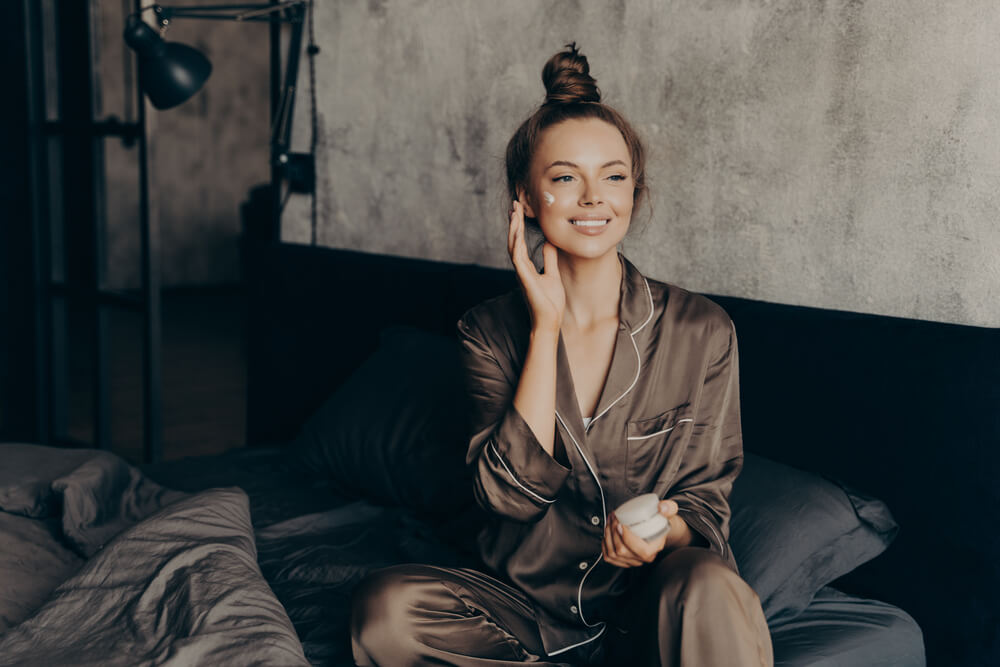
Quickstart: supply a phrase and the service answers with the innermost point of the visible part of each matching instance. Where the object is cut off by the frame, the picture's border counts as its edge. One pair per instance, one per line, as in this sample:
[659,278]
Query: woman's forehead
[586,142]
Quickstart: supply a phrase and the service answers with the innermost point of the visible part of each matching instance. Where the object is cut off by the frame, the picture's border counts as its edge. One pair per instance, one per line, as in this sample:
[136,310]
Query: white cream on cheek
[549,199]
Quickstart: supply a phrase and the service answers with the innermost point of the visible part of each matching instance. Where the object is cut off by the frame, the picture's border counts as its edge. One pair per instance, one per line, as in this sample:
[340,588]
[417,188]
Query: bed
[353,463]
[250,558]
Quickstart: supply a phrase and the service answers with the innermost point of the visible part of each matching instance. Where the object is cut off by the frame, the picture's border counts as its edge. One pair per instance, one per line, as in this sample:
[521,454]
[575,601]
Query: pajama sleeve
[715,453]
[513,476]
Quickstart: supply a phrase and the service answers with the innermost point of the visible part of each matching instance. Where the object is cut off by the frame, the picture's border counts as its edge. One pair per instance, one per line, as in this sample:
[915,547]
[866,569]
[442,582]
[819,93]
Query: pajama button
[573,609]
[583,565]
[596,520]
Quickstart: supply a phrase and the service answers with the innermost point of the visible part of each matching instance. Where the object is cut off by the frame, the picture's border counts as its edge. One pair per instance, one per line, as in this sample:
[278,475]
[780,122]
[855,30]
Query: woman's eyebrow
[564,163]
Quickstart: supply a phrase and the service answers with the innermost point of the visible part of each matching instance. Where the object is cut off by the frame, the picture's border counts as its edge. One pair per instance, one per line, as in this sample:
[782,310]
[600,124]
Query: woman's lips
[590,227]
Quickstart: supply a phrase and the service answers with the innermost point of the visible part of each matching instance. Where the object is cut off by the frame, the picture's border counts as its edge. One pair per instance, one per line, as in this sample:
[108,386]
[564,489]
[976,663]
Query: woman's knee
[700,594]
[385,606]
[697,571]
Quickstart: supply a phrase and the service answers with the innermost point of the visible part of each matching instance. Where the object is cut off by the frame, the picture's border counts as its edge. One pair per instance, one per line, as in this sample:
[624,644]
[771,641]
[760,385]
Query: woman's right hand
[544,291]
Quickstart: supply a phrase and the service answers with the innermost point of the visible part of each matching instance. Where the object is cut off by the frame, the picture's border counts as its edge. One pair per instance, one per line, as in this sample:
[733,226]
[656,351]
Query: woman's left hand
[623,548]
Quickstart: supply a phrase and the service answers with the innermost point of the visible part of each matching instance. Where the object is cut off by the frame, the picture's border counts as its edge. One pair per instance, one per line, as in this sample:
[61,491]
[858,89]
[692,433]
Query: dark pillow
[793,532]
[396,431]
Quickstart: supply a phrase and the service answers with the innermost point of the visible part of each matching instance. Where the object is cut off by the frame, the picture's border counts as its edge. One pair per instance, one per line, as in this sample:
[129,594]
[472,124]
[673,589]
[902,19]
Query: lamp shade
[170,72]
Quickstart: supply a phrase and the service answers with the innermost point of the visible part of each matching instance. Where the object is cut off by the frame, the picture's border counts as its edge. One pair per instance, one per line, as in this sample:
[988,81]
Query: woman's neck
[593,289]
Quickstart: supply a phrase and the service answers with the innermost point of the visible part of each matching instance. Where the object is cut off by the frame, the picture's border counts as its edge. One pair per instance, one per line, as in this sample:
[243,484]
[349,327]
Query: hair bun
[567,78]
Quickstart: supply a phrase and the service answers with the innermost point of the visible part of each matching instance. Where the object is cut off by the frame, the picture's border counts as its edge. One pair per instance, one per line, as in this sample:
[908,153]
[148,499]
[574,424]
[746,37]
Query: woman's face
[580,187]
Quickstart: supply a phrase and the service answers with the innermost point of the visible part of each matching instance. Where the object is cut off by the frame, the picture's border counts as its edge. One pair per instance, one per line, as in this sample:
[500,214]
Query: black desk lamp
[170,73]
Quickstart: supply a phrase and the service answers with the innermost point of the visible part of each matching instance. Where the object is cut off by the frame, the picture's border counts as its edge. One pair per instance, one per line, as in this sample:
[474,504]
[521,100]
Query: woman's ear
[522,197]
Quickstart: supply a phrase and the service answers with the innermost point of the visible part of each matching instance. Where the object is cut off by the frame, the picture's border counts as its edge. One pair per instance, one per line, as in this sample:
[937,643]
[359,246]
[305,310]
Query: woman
[591,384]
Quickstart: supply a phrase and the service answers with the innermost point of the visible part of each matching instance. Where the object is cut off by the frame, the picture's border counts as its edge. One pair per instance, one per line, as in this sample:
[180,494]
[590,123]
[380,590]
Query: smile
[590,223]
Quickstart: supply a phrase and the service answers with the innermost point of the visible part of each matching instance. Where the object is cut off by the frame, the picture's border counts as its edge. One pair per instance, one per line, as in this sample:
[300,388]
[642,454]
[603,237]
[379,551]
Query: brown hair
[570,92]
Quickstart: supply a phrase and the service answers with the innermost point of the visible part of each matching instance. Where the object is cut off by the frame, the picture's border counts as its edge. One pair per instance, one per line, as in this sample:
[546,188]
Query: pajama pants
[690,610]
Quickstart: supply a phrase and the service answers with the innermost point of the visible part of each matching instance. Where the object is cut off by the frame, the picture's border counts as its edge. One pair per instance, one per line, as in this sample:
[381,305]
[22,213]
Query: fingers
[638,547]
[550,259]
[668,508]
[607,547]
[510,235]
[521,246]
[614,547]
[512,229]
[516,246]
[623,548]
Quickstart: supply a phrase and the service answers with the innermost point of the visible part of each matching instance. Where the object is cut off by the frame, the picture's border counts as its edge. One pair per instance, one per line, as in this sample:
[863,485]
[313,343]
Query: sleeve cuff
[522,458]
[703,526]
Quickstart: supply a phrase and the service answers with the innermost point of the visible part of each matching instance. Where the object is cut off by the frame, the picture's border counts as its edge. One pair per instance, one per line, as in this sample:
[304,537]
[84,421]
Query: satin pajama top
[667,421]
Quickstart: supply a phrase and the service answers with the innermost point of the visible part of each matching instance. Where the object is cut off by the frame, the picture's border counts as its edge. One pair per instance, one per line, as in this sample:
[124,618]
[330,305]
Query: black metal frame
[79,133]
[31,261]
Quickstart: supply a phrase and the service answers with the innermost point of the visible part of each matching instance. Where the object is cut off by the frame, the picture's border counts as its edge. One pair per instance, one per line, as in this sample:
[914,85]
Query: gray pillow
[95,494]
[793,532]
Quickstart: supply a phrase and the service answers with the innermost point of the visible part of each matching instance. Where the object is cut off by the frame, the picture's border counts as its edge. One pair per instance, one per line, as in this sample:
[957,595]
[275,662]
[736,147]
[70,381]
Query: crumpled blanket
[142,575]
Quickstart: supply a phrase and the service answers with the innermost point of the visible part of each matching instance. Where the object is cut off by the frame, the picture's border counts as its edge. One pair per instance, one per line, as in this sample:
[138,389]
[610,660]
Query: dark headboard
[906,410]
[315,315]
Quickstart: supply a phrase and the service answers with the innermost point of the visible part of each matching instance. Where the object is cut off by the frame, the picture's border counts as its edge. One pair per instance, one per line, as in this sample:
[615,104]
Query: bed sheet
[840,630]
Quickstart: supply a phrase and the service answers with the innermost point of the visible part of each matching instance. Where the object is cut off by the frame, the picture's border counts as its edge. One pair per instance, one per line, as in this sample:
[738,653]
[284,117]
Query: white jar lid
[652,528]
[638,509]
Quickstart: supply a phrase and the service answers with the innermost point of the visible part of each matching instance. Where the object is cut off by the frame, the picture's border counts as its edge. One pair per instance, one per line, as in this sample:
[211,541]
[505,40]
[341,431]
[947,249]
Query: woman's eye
[617,177]
[562,179]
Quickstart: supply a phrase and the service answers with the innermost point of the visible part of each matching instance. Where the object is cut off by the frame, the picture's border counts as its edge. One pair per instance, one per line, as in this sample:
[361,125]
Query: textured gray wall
[840,154]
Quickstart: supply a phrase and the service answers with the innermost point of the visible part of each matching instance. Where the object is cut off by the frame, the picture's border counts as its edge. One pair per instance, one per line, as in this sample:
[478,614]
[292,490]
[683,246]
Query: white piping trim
[638,359]
[579,592]
[666,430]
[649,293]
[604,627]
[638,367]
[526,489]
[711,526]
[604,509]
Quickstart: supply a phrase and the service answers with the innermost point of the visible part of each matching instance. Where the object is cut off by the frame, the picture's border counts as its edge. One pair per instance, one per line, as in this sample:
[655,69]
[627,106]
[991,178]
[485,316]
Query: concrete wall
[835,153]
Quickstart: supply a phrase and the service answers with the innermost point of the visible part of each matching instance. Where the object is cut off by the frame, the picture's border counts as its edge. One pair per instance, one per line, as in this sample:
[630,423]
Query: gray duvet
[101,566]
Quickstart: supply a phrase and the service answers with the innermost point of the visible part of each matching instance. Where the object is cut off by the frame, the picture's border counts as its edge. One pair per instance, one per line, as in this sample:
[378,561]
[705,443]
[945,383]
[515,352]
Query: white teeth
[589,223]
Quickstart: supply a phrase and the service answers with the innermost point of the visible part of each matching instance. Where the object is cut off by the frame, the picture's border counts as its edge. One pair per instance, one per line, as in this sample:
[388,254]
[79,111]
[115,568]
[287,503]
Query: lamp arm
[233,12]
[281,132]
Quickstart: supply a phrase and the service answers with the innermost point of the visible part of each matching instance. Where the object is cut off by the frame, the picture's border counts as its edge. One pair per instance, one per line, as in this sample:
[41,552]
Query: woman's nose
[590,196]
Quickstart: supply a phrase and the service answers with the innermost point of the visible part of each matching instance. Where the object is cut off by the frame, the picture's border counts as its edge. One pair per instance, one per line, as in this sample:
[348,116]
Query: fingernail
[620,532]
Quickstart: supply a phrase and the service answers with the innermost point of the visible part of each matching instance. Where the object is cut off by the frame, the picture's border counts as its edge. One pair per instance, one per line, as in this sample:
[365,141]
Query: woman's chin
[593,247]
